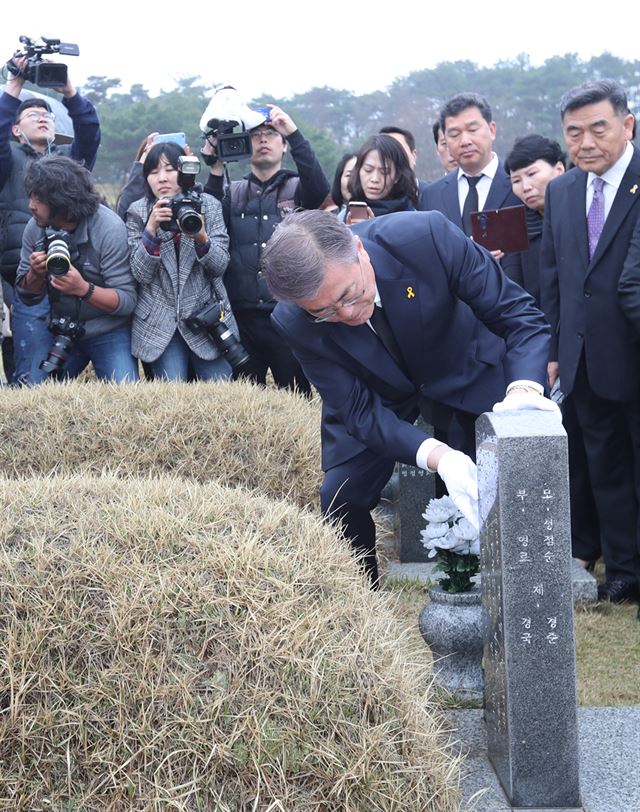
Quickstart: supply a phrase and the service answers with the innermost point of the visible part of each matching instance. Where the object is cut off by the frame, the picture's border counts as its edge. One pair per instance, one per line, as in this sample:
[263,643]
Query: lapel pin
[634,189]
[410,293]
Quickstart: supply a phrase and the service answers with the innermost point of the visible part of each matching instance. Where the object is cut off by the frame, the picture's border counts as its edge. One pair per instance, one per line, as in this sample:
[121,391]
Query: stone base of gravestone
[529,656]
[415,487]
[451,624]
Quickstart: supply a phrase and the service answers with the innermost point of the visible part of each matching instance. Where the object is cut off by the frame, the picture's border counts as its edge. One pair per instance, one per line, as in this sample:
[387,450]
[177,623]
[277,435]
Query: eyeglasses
[35,115]
[268,131]
[328,313]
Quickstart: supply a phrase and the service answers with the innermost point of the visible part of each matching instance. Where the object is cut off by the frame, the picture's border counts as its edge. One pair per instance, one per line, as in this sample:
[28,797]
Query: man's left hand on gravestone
[459,474]
[519,399]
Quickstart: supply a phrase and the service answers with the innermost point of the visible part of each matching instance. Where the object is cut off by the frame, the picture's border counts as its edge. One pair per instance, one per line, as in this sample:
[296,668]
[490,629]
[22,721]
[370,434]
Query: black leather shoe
[618,591]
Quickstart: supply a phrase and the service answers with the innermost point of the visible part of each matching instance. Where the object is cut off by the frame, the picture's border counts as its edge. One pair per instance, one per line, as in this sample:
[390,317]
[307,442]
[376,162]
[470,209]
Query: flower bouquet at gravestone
[455,541]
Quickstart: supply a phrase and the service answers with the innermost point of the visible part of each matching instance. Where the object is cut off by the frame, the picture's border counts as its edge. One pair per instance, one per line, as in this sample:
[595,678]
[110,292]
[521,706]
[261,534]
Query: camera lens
[189,221]
[58,258]
[233,351]
[58,354]
[209,319]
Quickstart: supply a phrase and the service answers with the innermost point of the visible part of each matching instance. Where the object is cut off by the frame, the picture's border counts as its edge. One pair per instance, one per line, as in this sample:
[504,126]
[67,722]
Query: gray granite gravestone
[415,488]
[529,652]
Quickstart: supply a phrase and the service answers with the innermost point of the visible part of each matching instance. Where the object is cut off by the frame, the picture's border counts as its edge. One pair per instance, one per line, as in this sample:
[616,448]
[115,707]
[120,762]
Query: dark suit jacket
[423,185]
[580,297]
[524,266]
[629,285]
[464,329]
[442,195]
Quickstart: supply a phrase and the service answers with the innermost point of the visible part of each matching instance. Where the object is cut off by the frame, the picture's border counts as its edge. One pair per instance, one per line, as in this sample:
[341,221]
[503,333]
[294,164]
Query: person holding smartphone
[382,180]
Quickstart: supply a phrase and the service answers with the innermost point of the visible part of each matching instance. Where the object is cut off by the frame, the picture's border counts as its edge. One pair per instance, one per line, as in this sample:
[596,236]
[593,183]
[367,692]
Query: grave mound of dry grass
[237,433]
[167,645]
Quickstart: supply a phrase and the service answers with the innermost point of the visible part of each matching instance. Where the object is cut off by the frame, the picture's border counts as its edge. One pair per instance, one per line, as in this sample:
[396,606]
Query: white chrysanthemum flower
[429,544]
[464,530]
[466,547]
[441,510]
[435,530]
[448,542]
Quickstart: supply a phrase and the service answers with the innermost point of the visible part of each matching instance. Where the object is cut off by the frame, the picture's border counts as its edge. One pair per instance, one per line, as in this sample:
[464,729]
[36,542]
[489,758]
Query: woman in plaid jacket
[177,275]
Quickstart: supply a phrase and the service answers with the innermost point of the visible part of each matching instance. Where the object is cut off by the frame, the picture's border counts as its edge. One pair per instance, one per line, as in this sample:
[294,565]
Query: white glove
[519,400]
[459,474]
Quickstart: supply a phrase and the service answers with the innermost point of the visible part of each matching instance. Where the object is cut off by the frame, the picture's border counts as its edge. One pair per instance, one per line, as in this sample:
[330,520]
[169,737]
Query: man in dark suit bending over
[402,316]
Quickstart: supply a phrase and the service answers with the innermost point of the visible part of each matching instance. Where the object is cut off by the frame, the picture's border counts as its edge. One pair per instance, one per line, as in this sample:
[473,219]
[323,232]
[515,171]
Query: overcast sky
[288,47]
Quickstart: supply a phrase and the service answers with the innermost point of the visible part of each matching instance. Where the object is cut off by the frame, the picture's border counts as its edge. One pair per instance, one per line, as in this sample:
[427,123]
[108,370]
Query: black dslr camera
[211,320]
[37,71]
[186,206]
[231,145]
[66,331]
[59,252]
[60,256]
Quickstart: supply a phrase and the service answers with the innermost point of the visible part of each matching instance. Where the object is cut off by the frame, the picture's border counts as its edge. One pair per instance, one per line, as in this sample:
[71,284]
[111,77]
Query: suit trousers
[611,432]
[585,524]
[348,494]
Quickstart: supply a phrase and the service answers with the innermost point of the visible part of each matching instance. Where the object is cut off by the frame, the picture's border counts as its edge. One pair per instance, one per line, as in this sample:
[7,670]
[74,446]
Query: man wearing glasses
[405,316]
[31,124]
[252,208]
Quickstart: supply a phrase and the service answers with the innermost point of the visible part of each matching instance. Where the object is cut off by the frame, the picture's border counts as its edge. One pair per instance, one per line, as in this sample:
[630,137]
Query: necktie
[595,216]
[383,330]
[470,203]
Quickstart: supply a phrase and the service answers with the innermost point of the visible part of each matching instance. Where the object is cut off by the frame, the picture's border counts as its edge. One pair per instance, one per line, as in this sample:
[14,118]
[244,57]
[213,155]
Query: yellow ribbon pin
[634,189]
[410,293]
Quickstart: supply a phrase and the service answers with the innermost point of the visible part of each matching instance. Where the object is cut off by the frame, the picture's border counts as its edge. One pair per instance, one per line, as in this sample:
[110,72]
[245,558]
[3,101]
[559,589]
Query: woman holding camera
[178,256]
[382,178]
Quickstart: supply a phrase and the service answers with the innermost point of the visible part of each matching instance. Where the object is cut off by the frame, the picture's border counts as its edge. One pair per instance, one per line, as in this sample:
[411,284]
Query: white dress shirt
[612,178]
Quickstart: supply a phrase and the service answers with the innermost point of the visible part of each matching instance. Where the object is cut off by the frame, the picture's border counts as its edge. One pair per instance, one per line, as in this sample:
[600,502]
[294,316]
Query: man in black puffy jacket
[252,208]
[27,132]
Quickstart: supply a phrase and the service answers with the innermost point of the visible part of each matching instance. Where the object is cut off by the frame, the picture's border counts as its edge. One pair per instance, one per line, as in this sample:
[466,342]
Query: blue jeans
[173,364]
[31,338]
[110,354]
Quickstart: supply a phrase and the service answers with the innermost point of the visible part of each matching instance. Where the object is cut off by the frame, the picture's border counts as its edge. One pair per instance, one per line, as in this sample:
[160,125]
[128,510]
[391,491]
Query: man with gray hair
[402,315]
[589,216]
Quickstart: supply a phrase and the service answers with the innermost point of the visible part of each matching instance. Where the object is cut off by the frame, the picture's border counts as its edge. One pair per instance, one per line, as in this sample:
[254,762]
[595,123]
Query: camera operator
[32,125]
[178,264]
[252,209]
[97,291]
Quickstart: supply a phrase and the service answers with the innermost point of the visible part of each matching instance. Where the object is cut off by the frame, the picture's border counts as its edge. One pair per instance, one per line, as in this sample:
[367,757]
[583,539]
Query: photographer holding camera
[178,254]
[74,251]
[252,209]
[32,125]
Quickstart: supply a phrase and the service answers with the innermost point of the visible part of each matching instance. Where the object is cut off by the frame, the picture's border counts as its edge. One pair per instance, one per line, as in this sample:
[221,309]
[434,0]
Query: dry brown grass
[607,654]
[166,645]
[264,439]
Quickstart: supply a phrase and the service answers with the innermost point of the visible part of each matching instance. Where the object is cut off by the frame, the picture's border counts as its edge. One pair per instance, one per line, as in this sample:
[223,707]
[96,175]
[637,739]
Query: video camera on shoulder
[231,144]
[37,71]
[229,120]
[60,254]
[186,207]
